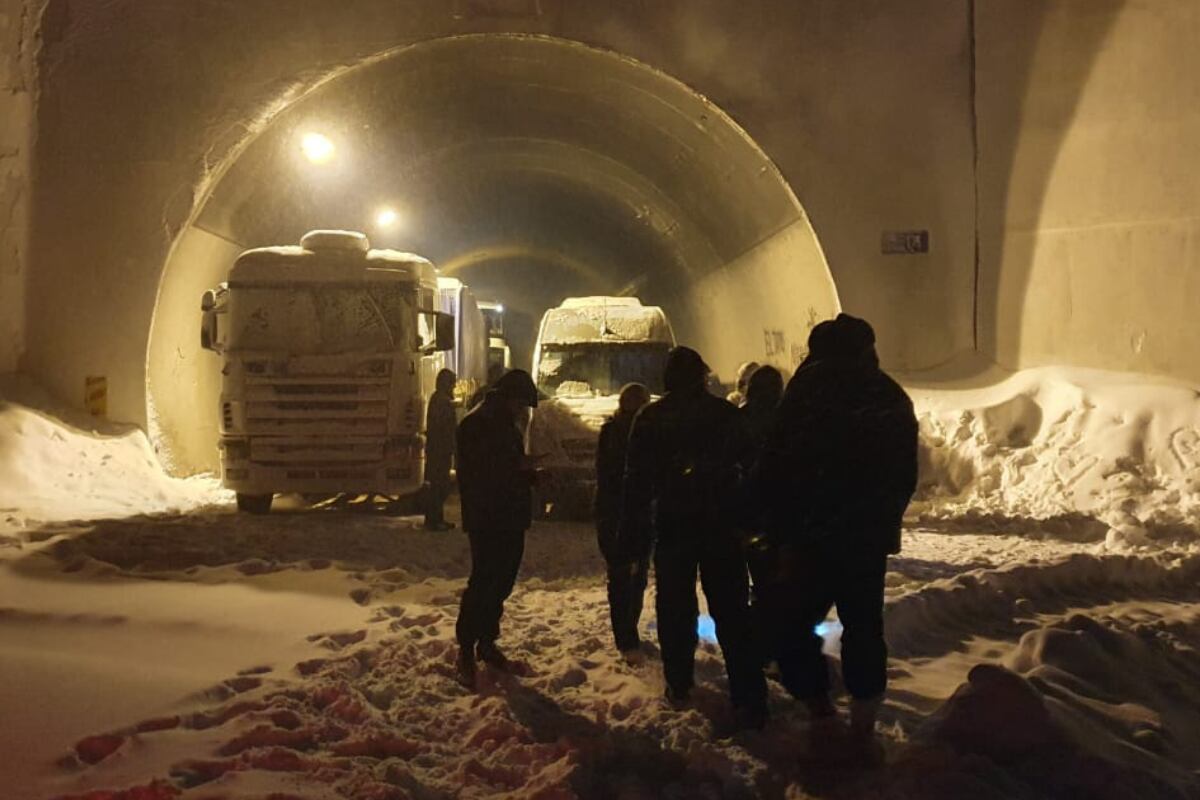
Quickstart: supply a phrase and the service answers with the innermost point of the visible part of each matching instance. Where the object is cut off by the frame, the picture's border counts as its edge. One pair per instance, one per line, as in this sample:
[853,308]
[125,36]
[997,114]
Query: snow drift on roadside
[61,465]
[1089,454]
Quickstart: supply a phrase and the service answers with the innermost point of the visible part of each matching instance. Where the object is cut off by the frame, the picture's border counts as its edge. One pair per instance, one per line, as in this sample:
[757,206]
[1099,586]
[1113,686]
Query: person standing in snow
[763,393]
[440,425]
[764,390]
[626,583]
[495,478]
[686,454]
[836,477]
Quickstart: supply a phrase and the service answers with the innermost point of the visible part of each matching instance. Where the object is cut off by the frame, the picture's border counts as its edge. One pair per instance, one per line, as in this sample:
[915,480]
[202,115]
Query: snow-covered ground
[1044,623]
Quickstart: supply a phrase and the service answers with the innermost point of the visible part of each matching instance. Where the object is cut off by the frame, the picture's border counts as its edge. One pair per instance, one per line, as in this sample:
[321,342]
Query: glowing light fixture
[386,217]
[317,147]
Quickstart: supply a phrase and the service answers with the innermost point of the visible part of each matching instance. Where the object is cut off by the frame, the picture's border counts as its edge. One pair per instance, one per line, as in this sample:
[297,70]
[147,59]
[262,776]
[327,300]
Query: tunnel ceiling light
[386,218]
[317,147]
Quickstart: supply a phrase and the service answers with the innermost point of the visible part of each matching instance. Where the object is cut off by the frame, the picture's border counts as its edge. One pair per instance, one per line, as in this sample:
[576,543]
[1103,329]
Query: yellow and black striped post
[95,395]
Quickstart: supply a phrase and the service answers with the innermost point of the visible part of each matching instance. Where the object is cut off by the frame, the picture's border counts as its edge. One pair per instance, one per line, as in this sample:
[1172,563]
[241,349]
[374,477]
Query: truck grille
[316,407]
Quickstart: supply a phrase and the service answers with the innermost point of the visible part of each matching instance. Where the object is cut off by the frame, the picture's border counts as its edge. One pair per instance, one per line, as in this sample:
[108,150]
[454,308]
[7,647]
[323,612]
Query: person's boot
[679,697]
[750,718]
[488,653]
[864,745]
[465,668]
[826,732]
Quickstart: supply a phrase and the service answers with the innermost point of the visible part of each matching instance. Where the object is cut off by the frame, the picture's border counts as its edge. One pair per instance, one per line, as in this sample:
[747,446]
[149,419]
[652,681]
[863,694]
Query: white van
[587,349]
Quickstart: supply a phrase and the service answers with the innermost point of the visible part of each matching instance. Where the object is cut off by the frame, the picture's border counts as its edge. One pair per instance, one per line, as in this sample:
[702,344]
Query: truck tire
[254,503]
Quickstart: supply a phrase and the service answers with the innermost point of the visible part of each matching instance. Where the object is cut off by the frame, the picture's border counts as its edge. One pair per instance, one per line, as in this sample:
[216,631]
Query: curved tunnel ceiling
[537,168]
[438,125]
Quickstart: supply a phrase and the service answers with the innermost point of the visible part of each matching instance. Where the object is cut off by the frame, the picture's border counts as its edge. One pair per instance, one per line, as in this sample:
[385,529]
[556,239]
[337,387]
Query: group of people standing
[783,507]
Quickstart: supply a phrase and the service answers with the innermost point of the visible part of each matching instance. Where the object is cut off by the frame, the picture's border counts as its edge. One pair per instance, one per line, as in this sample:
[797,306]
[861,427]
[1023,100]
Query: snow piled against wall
[63,465]
[1081,454]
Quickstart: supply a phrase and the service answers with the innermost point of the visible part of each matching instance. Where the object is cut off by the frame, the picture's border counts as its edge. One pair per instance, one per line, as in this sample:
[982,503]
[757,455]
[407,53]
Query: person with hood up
[764,390]
[835,479]
[763,393]
[626,582]
[440,425]
[686,455]
[495,479]
[738,395]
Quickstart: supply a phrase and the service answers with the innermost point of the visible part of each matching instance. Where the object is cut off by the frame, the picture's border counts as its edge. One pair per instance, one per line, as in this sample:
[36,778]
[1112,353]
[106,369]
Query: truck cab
[499,353]
[587,349]
[329,352]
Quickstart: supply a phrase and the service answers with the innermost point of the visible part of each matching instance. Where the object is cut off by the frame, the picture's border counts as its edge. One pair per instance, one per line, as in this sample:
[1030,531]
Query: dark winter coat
[493,479]
[842,459]
[440,425]
[687,453]
[610,469]
[758,421]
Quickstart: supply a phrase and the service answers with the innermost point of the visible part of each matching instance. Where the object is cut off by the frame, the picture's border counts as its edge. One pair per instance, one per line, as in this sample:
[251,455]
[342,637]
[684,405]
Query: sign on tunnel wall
[904,242]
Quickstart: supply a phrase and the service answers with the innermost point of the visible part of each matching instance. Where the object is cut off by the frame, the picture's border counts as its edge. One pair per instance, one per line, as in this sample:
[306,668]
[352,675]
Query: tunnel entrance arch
[533,167]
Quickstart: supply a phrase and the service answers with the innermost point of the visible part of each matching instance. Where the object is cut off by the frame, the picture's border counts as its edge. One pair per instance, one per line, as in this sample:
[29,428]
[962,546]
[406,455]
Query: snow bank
[1077,453]
[57,464]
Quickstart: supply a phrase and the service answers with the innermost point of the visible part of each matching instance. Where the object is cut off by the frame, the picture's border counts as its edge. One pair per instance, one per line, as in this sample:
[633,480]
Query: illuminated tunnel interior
[533,169]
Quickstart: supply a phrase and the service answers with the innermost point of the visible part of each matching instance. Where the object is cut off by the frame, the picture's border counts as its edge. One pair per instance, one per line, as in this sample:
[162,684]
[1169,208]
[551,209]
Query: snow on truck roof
[327,257]
[580,320]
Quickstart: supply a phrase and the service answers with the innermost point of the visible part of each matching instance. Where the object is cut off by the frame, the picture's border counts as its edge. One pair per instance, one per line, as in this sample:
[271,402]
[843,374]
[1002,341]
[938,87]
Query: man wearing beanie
[495,477]
[685,458]
[837,474]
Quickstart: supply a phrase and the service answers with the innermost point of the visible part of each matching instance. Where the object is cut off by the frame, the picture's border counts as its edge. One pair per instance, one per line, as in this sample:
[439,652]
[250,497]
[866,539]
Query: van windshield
[600,368]
[323,319]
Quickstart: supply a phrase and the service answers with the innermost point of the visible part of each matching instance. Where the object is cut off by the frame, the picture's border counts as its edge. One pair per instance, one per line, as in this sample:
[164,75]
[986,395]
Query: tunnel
[533,168]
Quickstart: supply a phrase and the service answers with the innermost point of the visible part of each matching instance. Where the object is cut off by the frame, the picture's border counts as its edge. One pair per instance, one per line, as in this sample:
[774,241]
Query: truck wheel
[254,503]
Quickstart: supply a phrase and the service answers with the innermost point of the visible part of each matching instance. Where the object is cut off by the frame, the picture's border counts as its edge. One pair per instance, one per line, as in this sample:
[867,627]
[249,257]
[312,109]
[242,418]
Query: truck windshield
[591,369]
[322,319]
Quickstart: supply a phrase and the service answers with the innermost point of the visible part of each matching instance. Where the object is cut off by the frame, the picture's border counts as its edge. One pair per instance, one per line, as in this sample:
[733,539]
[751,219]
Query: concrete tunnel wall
[1090,184]
[497,150]
[1069,123]
[17,90]
[140,101]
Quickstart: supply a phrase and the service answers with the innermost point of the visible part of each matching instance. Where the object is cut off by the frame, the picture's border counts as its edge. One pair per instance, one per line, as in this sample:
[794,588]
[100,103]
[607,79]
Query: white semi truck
[587,349]
[329,352]
[499,353]
[469,356]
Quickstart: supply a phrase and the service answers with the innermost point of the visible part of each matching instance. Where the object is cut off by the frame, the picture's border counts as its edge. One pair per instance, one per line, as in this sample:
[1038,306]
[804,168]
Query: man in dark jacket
[835,479]
[686,452]
[626,582]
[439,449]
[764,390]
[494,478]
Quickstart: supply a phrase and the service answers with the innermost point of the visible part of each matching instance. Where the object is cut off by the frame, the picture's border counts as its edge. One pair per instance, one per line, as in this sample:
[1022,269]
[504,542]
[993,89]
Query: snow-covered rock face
[1090,453]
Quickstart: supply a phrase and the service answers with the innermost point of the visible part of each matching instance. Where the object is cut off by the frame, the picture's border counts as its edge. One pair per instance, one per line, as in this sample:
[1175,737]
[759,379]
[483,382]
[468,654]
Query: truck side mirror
[445,332]
[208,320]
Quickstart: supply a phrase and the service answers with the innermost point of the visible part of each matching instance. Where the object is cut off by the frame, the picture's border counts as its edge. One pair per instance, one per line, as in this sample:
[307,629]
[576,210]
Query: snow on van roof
[598,300]
[599,319]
